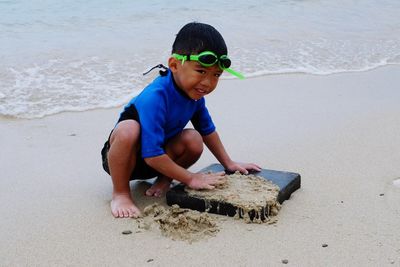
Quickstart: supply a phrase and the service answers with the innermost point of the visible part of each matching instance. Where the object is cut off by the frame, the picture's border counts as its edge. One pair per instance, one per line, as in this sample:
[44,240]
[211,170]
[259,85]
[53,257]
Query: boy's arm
[213,142]
[165,165]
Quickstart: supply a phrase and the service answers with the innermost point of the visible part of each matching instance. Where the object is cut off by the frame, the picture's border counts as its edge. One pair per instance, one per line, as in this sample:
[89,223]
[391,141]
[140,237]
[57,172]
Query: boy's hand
[206,180]
[243,167]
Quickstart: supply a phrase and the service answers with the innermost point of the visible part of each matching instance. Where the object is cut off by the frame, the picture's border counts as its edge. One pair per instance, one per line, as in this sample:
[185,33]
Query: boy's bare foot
[122,206]
[160,186]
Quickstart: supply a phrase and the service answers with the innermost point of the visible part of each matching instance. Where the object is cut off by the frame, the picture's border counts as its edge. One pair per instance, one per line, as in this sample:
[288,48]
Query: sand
[248,193]
[178,223]
[340,132]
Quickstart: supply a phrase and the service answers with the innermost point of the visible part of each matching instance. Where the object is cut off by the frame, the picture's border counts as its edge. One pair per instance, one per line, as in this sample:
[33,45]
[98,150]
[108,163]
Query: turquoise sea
[77,55]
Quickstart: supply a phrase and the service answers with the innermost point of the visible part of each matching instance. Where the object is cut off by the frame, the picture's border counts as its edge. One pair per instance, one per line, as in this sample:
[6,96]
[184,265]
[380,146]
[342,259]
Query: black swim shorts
[142,171]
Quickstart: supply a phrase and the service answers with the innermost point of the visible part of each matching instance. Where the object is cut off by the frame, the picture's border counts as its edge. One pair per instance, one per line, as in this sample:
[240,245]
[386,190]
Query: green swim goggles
[208,59]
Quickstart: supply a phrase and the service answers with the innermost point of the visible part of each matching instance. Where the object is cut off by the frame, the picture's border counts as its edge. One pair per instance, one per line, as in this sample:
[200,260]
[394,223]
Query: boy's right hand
[206,180]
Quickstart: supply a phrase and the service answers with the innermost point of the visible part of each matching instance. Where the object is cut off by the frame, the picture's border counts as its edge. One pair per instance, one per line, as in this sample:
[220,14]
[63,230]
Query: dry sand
[340,132]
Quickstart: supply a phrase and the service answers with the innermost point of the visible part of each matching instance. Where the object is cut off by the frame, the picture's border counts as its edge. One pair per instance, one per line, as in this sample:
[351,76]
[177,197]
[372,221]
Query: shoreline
[229,78]
[340,132]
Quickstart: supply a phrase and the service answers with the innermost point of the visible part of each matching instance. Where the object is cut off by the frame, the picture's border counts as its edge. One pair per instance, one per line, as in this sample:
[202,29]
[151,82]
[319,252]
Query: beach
[339,131]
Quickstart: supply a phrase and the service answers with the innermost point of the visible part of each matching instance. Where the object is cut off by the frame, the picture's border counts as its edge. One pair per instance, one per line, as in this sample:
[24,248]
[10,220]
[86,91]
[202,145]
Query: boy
[149,139]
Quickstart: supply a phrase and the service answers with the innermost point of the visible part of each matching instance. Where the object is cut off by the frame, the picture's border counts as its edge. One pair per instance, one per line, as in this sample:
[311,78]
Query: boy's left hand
[243,167]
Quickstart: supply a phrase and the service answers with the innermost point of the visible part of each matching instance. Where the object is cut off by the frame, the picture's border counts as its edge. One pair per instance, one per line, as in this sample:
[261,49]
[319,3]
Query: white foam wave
[58,86]
[312,71]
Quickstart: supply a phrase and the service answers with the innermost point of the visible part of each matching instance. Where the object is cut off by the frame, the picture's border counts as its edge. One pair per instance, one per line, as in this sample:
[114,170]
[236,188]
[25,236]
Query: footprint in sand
[392,194]
[396,182]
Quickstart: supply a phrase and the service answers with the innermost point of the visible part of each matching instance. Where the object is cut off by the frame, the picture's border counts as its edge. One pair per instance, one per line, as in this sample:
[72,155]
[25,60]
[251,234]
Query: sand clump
[177,223]
[254,197]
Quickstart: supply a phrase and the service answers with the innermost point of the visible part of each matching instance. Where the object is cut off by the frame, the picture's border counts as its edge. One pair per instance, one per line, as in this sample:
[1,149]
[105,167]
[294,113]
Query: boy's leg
[124,142]
[185,149]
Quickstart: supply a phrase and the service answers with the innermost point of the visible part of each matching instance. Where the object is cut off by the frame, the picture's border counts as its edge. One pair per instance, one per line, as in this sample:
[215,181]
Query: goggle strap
[179,57]
[160,66]
[235,73]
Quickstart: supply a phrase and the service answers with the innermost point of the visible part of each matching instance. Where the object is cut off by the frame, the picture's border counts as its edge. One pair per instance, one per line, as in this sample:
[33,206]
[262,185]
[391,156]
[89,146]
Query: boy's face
[195,80]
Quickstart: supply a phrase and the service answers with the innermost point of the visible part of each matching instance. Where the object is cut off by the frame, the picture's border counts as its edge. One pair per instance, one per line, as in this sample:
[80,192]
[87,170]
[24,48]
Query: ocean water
[77,55]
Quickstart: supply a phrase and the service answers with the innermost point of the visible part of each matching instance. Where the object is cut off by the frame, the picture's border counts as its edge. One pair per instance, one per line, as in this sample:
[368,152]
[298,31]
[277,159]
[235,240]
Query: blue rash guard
[163,110]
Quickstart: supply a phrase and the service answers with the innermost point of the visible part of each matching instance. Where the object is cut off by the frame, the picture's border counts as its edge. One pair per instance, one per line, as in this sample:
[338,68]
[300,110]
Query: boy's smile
[195,80]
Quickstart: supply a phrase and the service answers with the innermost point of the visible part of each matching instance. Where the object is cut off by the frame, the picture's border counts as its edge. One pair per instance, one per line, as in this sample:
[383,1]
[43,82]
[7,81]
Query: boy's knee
[126,132]
[193,141]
